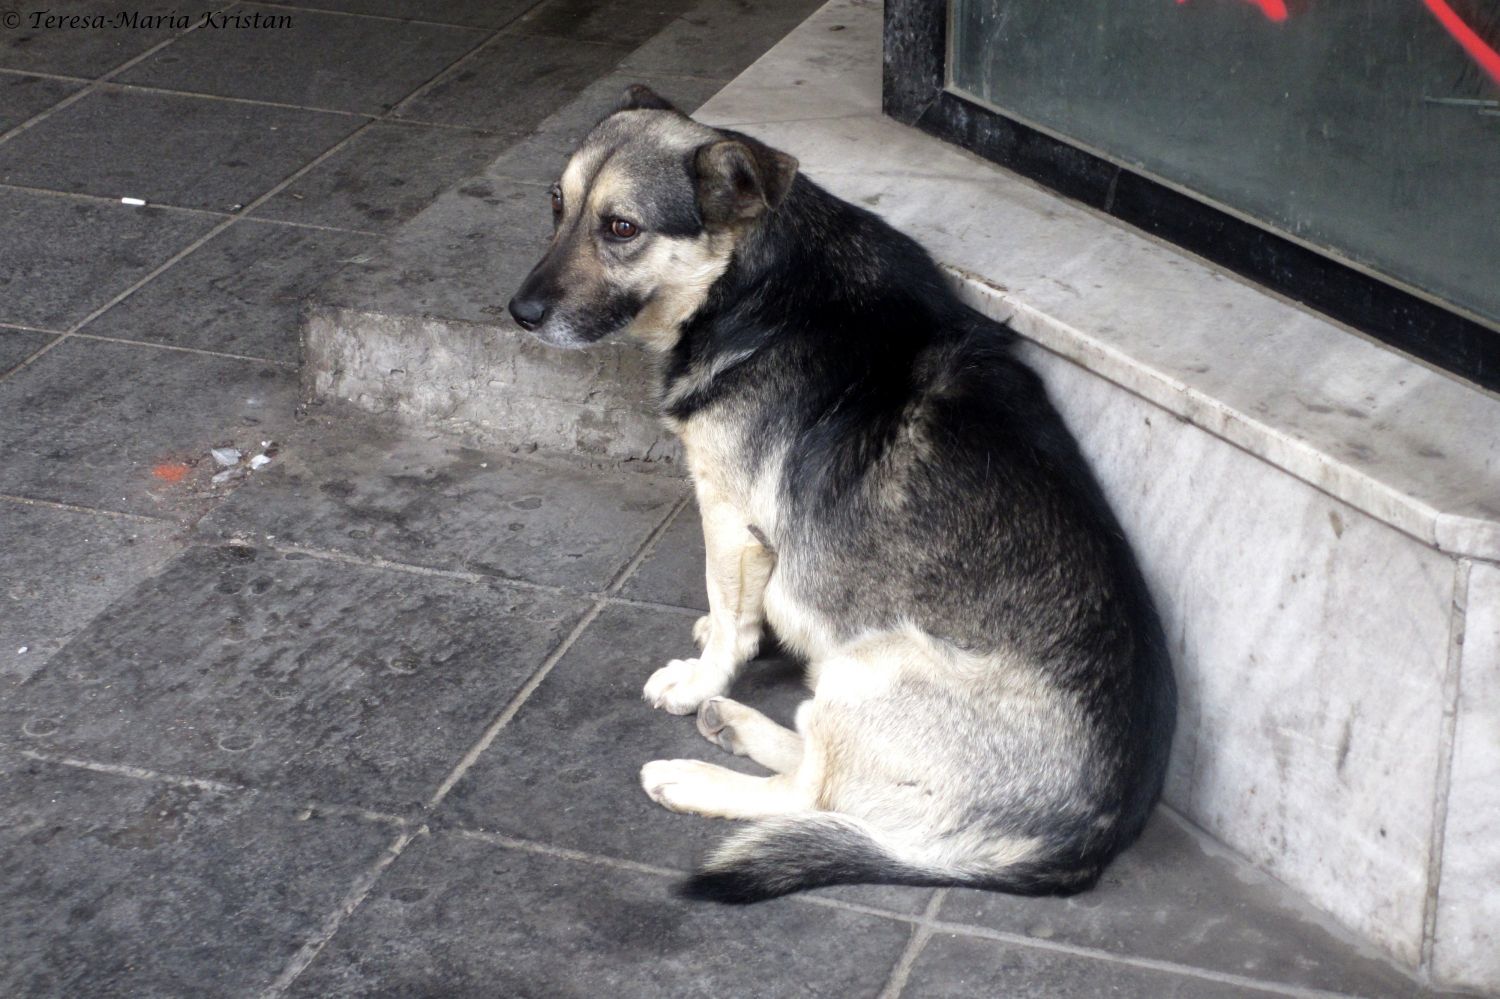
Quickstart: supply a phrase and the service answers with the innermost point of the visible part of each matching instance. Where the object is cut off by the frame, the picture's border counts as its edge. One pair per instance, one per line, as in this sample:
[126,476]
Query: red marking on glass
[1273,9]
[1488,58]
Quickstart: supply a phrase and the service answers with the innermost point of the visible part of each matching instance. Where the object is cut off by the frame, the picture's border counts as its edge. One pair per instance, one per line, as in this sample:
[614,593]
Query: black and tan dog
[887,486]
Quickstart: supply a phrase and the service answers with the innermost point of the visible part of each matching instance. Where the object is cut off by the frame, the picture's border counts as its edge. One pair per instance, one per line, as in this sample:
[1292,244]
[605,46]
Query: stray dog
[885,485]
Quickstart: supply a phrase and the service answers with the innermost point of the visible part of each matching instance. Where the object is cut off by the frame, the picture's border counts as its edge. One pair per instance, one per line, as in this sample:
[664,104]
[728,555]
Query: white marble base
[1317,515]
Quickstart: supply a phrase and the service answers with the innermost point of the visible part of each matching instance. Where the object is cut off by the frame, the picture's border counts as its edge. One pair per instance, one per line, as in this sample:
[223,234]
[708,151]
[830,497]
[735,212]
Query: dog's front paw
[675,784]
[683,684]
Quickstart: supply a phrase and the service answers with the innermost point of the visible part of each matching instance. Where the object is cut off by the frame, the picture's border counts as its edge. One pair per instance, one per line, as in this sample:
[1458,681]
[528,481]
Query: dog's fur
[884,484]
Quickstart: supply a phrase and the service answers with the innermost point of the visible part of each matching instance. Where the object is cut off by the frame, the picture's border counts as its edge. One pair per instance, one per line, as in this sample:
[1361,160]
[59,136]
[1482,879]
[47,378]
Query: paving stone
[23,96]
[459,918]
[17,345]
[537,75]
[618,22]
[111,886]
[440,505]
[82,51]
[242,292]
[719,38]
[540,157]
[1172,897]
[320,61]
[323,680]
[127,428]
[65,257]
[194,152]
[673,572]
[460,259]
[956,967]
[480,13]
[60,569]
[385,176]
[566,769]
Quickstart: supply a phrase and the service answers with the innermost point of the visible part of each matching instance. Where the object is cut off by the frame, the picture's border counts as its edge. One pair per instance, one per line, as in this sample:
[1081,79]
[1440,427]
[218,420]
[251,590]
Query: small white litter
[22,650]
[226,475]
[138,202]
[259,461]
[225,456]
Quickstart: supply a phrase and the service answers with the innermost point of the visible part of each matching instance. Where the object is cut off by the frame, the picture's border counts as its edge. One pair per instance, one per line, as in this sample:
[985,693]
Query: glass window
[1367,130]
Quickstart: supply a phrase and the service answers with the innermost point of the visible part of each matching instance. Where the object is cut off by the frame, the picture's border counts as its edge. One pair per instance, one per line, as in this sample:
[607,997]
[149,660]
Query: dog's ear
[739,178]
[639,97]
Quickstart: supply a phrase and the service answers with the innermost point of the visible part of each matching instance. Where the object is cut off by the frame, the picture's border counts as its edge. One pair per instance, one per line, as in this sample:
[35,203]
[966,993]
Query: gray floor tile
[21,97]
[321,61]
[537,75]
[118,427]
[65,257]
[242,292]
[479,13]
[566,770]
[540,157]
[323,680]
[385,176]
[462,258]
[1171,898]
[719,38]
[17,345]
[954,967]
[60,569]
[673,572]
[435,504]
[95,47]
[111,886]
[168,149]
[459,918]
[618,22]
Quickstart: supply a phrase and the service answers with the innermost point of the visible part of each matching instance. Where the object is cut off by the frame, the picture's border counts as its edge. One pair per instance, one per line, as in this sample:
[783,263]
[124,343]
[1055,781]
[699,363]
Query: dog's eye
[623,229]
[556,202]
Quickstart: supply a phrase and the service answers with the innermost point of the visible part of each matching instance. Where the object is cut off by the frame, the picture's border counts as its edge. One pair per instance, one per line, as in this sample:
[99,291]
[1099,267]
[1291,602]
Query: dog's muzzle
[527,312]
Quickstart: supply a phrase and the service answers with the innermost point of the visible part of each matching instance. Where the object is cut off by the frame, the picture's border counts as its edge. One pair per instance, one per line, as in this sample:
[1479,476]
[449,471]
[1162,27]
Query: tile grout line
[352,900]
[370,17]
[492,731]
[32,358]
[99,81]
[96,511]
[1144,963]
[104,199]
[1452,689]
[362,887]
[263,197]
[181,349]
[447,70]
[307,806]
[921,932]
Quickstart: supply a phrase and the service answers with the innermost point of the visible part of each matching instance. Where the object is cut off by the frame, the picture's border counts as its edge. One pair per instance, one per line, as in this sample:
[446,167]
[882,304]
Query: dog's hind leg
[738,568]
[744,731]
[704,789]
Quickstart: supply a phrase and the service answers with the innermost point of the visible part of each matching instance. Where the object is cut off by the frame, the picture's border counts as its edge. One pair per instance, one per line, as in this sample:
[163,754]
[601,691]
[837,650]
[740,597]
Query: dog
[887,487]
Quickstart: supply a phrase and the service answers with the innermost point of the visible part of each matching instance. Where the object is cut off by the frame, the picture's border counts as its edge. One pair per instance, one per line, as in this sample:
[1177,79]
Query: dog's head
[646,218]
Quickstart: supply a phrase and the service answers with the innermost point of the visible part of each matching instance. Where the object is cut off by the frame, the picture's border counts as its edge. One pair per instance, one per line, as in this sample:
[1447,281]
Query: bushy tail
[778,856]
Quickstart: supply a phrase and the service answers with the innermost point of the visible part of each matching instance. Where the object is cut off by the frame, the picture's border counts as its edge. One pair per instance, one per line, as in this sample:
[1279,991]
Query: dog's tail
[779,856]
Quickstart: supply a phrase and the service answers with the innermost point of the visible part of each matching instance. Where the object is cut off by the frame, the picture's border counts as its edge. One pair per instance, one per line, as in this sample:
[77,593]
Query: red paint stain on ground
[171,472]
[1273,9]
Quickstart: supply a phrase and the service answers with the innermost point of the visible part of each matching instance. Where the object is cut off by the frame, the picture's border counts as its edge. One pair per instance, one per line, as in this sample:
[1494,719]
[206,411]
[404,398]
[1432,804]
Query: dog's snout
[527,312]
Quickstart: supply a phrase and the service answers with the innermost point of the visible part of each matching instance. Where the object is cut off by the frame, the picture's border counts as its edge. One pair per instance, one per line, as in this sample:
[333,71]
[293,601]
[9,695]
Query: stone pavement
[365,721]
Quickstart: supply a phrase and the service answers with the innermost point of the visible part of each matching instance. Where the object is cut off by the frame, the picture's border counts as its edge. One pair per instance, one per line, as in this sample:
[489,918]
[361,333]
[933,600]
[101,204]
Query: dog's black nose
[527,313]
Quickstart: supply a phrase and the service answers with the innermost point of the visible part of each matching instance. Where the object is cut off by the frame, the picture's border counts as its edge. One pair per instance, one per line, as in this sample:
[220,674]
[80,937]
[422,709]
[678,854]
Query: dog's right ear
[639,97]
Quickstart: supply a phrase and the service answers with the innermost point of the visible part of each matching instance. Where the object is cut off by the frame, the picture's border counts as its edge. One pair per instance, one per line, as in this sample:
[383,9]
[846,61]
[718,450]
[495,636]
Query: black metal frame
[914,93]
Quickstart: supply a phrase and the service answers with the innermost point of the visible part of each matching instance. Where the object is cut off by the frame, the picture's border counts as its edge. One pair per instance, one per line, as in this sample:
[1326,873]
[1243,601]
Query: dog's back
[887,485]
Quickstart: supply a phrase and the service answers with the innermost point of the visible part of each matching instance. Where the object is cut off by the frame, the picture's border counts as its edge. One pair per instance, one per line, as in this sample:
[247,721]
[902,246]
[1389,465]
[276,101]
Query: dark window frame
[914,93]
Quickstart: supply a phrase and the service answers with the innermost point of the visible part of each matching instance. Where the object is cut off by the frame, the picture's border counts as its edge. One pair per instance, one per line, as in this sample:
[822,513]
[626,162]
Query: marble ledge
[1410,447]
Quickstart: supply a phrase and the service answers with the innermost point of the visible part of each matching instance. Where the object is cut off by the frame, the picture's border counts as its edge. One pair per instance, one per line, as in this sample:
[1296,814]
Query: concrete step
[418,328]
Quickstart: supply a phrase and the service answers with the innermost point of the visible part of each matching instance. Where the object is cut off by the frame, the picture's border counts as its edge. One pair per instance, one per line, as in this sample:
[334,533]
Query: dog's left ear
[639,97]
[740,178]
